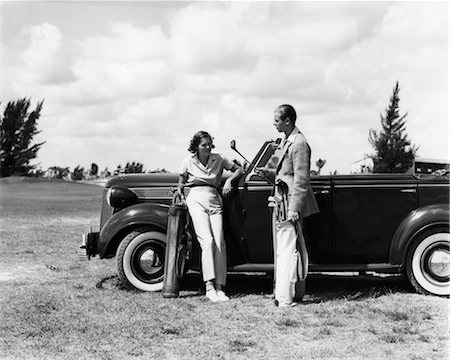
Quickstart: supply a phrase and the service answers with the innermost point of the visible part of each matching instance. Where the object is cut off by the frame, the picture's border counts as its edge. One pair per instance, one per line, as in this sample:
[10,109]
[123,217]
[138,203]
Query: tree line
[81,173]
[393,150]
[18,127]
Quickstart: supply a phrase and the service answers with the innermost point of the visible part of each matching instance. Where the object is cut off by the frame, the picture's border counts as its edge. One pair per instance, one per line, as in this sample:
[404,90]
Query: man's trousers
[290,260]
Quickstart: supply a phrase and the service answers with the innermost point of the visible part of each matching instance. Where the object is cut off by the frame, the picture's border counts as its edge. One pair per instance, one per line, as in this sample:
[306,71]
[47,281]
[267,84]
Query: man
[293,169]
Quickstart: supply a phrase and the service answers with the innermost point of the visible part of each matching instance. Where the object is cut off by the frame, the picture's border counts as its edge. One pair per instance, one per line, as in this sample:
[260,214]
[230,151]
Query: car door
[247,218]
[366,211]
[318,227]
[256,220]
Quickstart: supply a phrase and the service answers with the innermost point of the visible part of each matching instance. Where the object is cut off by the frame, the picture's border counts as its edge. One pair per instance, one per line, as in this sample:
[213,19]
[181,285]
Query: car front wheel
[428,263]
[140,260]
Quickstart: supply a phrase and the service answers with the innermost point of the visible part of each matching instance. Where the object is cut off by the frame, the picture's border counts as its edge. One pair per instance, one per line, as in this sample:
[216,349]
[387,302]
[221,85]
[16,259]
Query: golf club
[233,146]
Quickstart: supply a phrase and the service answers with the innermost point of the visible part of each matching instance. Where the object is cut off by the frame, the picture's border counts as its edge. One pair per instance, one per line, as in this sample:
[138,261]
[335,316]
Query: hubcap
[150,261]
[438,263]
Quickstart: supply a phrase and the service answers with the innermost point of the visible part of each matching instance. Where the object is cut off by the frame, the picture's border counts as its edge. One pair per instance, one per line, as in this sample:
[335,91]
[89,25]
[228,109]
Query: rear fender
[413,225]
[151,215]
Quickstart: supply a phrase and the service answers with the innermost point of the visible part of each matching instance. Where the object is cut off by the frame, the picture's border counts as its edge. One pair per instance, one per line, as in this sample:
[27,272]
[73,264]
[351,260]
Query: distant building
[427,166]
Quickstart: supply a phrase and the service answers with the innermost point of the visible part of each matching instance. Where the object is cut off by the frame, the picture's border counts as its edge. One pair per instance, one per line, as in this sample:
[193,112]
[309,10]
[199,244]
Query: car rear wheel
[140,260]
[428,263]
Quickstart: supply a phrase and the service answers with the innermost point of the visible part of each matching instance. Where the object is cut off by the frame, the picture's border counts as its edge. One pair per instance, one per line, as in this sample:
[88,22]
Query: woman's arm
[181,181]
[237,171]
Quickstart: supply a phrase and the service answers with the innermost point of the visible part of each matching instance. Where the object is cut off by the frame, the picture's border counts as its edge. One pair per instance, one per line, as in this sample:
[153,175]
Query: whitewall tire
[428,263]
[140,260]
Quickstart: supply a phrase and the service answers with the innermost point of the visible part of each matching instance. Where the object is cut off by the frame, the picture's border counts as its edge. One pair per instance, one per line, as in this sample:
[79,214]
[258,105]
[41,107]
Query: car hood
[139,180]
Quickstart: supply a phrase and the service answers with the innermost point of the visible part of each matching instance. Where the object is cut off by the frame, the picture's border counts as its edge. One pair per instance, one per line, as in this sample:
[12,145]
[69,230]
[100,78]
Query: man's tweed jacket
[294,169]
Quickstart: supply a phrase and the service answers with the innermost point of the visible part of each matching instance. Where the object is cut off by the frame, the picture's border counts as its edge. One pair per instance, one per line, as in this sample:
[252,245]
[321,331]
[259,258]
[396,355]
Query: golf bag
[290,253]
[177,244]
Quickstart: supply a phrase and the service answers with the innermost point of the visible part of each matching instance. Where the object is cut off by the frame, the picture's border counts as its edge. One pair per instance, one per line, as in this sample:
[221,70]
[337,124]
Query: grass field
[54,306]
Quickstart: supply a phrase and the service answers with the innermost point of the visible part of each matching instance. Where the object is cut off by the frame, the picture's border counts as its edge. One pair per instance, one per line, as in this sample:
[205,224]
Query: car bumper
[88,246]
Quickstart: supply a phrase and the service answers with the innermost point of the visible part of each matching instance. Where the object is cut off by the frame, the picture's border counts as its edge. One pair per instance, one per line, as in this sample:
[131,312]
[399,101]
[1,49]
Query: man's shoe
[212,295]
[285,304]
[221,296]
[292,304]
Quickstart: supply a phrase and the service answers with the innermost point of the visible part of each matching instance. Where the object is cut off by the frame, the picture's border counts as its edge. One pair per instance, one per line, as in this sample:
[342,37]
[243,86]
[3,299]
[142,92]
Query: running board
[381,268]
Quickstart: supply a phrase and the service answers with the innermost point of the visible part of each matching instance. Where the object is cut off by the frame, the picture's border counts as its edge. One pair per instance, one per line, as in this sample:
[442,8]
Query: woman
[202,173]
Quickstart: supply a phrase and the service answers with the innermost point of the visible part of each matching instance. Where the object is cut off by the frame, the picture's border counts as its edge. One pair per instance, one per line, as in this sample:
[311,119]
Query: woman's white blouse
[211,174]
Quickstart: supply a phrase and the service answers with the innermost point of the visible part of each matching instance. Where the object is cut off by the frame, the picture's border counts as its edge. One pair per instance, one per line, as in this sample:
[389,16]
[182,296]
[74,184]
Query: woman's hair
[195,141]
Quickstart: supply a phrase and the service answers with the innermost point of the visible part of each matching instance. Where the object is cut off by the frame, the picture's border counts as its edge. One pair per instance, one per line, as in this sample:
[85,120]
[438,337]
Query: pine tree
[18,126]
[393,150]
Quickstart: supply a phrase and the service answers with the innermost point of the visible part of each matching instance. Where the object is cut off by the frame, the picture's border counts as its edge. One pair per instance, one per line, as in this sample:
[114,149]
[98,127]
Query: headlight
[119,197]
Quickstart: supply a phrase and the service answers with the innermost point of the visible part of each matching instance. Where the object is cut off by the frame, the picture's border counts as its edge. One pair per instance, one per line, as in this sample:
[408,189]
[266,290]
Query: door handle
[410,191]
[324,192]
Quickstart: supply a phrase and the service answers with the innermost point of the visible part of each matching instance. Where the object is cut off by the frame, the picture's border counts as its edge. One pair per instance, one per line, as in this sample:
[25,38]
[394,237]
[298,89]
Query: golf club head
[233,146]
[282,187]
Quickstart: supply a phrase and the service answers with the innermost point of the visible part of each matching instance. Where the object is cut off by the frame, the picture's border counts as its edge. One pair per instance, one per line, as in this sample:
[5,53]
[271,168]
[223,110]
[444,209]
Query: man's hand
[261,171]
[293,216]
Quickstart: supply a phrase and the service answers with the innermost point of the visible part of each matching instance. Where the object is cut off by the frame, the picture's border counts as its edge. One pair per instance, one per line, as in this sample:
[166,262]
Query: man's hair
[287,111]
[197,138]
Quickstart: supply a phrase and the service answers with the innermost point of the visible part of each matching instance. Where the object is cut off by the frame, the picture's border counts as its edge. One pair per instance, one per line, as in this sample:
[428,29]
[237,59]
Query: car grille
[107,210]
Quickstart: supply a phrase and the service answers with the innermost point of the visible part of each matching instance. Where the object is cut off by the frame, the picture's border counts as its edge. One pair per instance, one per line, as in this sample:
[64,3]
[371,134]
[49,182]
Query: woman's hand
[227,187]
[181,184]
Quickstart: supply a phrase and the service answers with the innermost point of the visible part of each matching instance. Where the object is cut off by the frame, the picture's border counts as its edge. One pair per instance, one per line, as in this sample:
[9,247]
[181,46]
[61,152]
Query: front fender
[415,223]
[146,214]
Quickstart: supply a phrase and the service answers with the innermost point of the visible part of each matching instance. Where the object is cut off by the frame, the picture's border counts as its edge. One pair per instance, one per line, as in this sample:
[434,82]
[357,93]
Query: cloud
[208,39]
[45,41]
[127,43]
[47,58]
[128,63]
[110,81]
[141,89]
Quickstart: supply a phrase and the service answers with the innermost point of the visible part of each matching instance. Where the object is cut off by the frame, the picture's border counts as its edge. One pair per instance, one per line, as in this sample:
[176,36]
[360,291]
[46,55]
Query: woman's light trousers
[205,208]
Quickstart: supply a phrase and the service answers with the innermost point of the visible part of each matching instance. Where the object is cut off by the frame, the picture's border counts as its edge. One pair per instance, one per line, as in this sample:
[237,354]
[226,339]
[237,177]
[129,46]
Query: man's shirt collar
[292,135]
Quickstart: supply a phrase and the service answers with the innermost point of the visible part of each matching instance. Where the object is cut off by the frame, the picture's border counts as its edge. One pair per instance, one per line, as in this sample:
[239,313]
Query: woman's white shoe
[212,295]
[221,296]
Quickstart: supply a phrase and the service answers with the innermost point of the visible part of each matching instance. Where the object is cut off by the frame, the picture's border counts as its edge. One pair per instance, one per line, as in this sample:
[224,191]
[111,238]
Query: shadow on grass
[319,287]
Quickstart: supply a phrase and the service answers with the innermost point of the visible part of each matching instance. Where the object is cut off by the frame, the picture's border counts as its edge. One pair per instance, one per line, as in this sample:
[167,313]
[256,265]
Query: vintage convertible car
[389,223]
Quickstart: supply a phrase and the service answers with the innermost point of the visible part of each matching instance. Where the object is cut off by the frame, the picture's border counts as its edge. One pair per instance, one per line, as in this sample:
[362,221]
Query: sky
[133,81]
